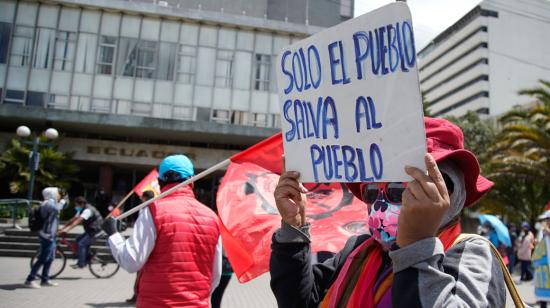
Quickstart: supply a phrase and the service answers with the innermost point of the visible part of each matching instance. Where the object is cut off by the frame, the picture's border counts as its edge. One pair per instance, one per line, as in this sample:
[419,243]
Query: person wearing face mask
[91,220]
[411,258]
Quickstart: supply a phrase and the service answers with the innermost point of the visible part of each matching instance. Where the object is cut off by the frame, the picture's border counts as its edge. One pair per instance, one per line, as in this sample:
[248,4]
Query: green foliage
[55,168]
[426,106]
[520,159]
[478,134]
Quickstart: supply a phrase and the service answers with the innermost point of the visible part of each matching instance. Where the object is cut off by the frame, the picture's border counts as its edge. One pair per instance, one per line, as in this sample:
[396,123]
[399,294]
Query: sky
[430,17]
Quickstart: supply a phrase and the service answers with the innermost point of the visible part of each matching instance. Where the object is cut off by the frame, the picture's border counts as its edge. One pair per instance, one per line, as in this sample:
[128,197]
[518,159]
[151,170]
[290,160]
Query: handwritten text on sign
[351,104]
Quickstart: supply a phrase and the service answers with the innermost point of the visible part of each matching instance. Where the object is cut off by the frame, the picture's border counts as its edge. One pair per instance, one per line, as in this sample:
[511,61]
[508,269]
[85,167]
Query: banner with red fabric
[149,182]
[249,216]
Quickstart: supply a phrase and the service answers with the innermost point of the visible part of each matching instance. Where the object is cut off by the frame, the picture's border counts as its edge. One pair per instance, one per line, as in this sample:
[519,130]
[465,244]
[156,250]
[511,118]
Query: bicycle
[101,265]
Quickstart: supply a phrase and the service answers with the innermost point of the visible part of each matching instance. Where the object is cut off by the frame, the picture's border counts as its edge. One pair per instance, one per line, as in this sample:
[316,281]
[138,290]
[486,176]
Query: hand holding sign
[290,198]
[425,202]
[350,101]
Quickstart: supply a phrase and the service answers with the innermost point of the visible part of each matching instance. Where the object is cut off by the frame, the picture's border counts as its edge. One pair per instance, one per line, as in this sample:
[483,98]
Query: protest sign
[351,109]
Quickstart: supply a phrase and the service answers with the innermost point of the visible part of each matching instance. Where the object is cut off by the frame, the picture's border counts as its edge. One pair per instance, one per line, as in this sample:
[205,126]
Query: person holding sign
[412,257]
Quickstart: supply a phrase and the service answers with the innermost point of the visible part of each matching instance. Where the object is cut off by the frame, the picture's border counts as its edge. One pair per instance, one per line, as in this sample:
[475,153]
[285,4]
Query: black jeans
[526,273]
[216,299]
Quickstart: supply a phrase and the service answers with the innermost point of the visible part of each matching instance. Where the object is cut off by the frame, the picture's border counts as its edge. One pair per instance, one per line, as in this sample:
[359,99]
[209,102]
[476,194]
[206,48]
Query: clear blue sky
[430,17]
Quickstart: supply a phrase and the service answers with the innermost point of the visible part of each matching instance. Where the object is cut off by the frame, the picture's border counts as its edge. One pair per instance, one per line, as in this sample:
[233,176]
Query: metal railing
[14,205]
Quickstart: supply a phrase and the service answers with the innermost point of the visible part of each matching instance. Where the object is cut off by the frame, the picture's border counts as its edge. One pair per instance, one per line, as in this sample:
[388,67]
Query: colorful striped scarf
[356,285]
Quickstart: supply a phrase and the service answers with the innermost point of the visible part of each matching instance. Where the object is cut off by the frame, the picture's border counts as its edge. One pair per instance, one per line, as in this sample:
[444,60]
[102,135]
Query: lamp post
[34,157]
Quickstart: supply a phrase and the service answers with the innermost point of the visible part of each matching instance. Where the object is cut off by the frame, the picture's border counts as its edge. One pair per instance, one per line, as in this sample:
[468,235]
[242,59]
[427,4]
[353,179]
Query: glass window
[43,48]
[258,119]
[85,53]
[224,69]
[58,101]
[7,10]
[186,64]
[167,59]
[220,116]
[68,20]
[106,55]
[37,99]
[239,117]
[14,97]
[22,46]
[127,57]
[262,74]
[5,31]
[146,59]
[65,43]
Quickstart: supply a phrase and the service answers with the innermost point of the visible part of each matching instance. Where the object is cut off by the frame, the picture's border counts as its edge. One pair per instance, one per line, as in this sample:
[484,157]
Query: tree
[520,158]
[478,134]
[55,168]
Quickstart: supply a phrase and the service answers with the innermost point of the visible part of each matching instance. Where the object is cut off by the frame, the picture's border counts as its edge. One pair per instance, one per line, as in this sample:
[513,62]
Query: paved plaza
[78,288]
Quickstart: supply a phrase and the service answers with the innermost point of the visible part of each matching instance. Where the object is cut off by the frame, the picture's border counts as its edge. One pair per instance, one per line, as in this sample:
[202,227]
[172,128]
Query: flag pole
[199,176]
[121,203]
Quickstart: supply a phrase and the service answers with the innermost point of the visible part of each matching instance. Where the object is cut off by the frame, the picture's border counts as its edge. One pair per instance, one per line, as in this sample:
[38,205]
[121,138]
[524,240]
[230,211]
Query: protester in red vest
[410,258]
[175,246]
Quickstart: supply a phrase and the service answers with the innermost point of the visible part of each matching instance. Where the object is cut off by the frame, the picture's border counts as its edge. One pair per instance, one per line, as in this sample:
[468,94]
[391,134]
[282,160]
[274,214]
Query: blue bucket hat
[177,163]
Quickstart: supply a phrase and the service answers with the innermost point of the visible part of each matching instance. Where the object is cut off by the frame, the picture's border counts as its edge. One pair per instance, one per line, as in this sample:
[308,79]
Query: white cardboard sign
[351,109]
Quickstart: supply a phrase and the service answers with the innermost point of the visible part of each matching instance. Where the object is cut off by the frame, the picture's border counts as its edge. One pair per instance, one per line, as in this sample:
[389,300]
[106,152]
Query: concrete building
[128,82]
[485,58]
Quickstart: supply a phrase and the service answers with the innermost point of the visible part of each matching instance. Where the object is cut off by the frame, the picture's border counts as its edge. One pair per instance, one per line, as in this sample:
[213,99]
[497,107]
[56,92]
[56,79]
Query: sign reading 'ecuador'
[350,98]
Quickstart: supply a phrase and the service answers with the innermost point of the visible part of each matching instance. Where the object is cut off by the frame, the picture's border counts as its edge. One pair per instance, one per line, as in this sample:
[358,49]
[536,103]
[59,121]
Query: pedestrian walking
[411,257]
[49,215]
[175,246]
[525,250]
[91,220]
[227,272]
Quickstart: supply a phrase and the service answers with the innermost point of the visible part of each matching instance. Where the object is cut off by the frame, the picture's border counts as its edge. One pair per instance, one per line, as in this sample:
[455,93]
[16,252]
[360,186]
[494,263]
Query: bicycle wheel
[58,264]
[102,266]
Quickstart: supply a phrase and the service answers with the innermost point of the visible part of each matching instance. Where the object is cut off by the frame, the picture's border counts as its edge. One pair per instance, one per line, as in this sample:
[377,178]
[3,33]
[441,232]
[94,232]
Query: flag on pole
[249,216]
[149,182]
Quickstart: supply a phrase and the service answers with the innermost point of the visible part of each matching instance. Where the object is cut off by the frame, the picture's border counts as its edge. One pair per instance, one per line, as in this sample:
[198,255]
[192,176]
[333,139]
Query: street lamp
[34,157]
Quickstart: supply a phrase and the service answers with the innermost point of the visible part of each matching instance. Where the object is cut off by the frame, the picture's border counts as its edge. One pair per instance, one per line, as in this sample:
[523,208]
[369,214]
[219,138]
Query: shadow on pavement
[114,304]
[12,287]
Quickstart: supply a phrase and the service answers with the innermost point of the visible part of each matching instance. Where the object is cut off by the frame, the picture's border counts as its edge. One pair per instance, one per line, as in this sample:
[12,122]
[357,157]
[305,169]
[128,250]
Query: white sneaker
[49,284]
[32,285]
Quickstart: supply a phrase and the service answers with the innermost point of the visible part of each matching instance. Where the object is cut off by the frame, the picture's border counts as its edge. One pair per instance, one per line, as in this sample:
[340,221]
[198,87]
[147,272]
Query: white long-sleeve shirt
[133,252]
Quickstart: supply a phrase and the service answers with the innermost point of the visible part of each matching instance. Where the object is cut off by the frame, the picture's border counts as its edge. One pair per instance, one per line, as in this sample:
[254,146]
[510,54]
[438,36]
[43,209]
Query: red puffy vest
[178,273]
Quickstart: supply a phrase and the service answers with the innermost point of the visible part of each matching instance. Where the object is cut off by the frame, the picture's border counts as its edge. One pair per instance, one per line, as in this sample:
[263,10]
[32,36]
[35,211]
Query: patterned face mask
[383,217]
[384,201]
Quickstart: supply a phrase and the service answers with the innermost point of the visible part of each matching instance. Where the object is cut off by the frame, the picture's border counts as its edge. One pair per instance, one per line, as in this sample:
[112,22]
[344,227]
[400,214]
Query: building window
[58,101]
[5,31]
[261,79]
[43,48]
[106,55]
[22,46]
[146,59]
[239,117]
[186,64]
[37,99]
[65,43]
[483,110]
[167,59]
[184,113]
[137,58]
[346,8]
[14,97]
[224,69]
[258,119]
[86,53]
[220,116]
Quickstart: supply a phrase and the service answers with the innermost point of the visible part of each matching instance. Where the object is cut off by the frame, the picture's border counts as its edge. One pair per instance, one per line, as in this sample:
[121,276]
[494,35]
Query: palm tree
[520,157]
[55,169]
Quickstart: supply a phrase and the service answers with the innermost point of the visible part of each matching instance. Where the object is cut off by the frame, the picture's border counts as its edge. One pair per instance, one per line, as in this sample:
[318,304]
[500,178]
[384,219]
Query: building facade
[127,82]
[483,60]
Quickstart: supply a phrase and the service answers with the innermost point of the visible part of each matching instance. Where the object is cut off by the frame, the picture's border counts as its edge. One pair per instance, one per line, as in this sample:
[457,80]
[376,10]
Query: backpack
[36,221]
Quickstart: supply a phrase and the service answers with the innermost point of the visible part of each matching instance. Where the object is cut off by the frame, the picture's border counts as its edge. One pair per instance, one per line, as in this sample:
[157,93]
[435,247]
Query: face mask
[383,217]
[78,210]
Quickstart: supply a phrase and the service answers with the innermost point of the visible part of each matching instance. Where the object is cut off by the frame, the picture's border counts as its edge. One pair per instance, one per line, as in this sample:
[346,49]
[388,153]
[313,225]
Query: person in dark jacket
[49,210]
[410,258]
[91,220]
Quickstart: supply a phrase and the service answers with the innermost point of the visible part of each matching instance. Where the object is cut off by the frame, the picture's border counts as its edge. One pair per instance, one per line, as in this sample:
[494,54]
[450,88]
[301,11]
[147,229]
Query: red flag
[249,216]
[149,182]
